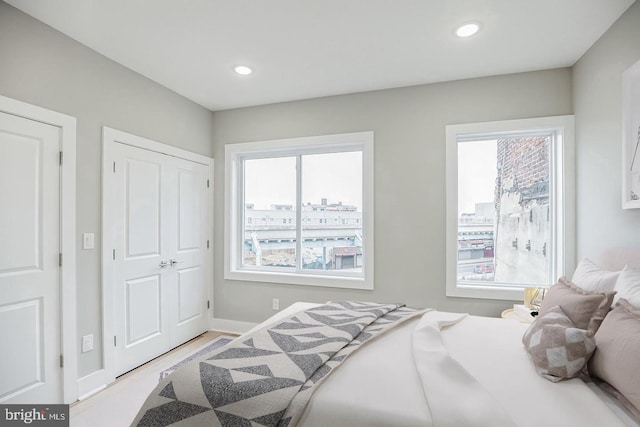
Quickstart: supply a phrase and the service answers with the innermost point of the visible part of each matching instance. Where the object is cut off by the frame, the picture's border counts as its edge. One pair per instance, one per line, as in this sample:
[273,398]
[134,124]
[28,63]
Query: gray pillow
[617,357]
[558,349]
[585,309]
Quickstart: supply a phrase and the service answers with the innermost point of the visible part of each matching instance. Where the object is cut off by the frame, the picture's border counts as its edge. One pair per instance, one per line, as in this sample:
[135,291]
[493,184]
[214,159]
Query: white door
[140,285]
[188,251]
[29,262]
[159,280]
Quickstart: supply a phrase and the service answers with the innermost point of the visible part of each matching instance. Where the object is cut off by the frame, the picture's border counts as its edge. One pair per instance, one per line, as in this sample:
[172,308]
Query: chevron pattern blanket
[266,378]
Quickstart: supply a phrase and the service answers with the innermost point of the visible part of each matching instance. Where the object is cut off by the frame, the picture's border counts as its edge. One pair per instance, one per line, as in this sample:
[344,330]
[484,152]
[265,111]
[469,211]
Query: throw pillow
[616,359]
[590,277]
[585,309]
[557,348]
[628,286]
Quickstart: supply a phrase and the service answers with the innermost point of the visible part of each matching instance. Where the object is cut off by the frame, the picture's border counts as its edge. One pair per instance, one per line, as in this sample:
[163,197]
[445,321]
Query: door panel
[189,294]
[21,186]
[189,198]
[142,208]
[26,355]
[29,271]
[143,309]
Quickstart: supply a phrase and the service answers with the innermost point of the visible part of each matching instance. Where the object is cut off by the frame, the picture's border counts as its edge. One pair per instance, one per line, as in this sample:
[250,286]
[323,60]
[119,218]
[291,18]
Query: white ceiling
[310,48]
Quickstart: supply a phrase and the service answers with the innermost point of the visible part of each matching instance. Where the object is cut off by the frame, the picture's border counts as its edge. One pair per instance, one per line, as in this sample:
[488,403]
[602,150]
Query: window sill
[484,291]
[301,279]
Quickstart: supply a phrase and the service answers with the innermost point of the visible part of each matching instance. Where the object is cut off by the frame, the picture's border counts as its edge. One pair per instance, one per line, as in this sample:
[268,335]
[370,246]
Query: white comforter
[382,383]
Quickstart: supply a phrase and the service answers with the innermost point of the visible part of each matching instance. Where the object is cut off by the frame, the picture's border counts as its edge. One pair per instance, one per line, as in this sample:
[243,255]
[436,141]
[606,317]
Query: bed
[444,369]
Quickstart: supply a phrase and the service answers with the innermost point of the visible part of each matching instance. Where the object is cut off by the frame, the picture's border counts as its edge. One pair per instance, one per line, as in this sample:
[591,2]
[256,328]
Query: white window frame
[562,184]
[235,154]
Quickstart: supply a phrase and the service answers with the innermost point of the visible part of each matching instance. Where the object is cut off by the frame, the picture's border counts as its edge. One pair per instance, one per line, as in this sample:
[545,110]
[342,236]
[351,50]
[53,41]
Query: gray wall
[409,125]
[41,66]
[597,86]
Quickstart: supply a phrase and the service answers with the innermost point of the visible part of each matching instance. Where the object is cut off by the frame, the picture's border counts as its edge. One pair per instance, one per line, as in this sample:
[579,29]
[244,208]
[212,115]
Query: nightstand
[510,314]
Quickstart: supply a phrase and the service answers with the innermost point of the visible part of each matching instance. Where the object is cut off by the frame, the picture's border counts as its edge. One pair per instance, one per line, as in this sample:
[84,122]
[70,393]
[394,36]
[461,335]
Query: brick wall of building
[522,210]
[523,166]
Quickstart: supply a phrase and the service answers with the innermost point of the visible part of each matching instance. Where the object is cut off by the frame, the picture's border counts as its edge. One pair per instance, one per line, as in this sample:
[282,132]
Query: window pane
[269,212]
[332,212]
[504,217]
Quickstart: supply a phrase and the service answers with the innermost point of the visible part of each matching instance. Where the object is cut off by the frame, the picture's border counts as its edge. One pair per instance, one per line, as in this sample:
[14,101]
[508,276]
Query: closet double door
[160,260]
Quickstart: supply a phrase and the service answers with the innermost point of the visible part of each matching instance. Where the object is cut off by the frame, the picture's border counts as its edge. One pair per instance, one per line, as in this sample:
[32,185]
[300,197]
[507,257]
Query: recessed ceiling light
[467,30]
[243,70]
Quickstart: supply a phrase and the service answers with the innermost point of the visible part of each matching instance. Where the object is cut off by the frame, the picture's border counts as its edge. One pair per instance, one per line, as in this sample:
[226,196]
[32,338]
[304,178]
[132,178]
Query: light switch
[88,241]
[87,343]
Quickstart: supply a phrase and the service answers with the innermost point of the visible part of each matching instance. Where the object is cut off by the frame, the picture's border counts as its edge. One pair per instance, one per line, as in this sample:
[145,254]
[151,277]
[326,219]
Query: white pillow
[628,286]
[590,277]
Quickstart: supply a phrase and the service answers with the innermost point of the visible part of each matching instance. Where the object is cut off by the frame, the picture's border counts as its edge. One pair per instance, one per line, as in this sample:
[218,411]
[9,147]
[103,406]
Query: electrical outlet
[275,304]
[87,343]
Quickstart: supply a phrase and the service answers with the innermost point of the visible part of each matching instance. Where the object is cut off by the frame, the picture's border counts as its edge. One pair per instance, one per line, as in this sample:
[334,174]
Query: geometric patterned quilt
[267,377]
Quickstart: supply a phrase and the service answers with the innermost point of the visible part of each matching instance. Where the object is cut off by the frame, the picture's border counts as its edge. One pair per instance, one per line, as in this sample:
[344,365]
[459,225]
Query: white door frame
[67,126]
[110,137]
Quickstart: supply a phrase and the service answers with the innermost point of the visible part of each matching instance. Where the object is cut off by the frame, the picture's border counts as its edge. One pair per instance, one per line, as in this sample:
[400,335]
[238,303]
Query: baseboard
[231,326]
[92,384]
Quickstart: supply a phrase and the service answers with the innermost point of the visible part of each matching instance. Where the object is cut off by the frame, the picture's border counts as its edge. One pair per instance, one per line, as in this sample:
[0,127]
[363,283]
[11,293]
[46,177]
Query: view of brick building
[523,227]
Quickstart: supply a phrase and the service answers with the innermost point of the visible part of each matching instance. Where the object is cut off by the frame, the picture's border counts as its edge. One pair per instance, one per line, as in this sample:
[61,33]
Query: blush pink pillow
[585,309]
[617,356]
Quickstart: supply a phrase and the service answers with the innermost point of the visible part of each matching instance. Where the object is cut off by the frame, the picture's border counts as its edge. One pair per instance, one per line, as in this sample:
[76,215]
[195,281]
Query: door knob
[164,264]
[174,262]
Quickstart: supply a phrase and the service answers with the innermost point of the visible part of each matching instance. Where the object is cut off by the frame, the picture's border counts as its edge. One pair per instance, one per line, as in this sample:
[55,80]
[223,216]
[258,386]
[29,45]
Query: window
[302,183]
[509,206]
